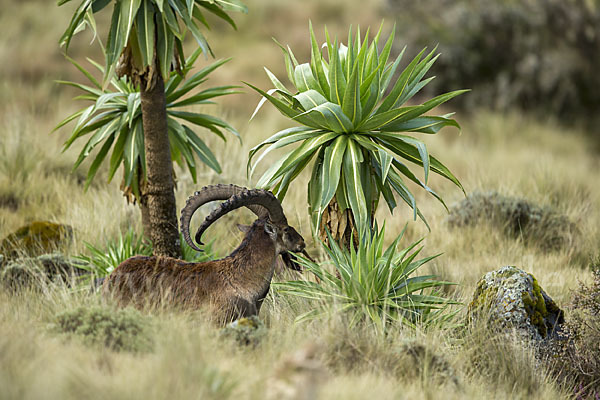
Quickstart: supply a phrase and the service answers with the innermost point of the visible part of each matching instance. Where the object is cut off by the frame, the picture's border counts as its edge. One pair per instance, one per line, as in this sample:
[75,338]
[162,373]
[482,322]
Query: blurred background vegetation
[534,55]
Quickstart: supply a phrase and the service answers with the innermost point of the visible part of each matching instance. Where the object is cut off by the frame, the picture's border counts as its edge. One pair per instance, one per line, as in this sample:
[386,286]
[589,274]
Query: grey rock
[512,299]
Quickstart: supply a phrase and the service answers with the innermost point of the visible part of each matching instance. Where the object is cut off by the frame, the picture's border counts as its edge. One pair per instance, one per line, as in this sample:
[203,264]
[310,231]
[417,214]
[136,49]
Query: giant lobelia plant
[114,122]
[144,44]
[352,107]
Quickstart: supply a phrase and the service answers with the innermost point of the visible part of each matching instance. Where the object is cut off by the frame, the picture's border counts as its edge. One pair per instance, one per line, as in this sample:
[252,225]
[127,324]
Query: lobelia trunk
[145,214]
[159,211]
[340,224]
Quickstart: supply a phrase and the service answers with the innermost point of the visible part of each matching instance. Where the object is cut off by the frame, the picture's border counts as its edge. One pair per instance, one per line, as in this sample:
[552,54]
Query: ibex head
[261,202]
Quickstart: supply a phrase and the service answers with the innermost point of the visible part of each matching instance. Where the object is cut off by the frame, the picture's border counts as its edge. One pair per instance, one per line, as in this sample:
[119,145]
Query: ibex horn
[246,198]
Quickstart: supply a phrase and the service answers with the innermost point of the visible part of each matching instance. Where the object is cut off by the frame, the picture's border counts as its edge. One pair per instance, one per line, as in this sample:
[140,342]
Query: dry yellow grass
[513,154]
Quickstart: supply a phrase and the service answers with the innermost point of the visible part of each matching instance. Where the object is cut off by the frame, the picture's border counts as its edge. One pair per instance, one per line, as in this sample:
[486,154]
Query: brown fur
[229,288]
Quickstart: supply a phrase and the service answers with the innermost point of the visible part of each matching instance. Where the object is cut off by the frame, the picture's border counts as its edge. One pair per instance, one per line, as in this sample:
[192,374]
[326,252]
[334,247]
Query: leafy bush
[518,217]
[119,330]
[371,284]
[101,261]
[530,54]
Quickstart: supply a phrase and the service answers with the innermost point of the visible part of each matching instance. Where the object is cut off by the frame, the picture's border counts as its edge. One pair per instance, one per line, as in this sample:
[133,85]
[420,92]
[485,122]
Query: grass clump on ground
[119,330]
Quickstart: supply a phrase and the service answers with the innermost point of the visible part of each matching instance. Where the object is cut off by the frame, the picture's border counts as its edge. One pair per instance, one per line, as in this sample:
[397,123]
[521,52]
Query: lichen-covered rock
[245,331]
[511,298]
[38,237]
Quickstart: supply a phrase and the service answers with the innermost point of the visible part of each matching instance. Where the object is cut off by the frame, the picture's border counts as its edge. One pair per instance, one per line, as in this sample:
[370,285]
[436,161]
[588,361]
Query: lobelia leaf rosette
[352,107]
[114,122]
[145,30]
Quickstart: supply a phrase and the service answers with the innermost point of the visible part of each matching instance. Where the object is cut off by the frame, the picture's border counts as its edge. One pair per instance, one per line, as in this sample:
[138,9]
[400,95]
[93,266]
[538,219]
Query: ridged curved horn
[246,198]
[206,195]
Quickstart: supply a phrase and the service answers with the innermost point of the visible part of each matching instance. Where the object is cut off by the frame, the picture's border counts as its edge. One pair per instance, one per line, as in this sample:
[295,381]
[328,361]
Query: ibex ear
[270,229]
[244,228]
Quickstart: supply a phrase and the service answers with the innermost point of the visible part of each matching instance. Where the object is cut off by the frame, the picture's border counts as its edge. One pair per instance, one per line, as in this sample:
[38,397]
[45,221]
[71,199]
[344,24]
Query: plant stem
[159,196]
[340,224]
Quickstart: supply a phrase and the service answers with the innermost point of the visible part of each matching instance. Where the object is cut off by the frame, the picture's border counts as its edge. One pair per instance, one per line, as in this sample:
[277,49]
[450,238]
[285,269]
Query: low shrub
[119,330]
[22,273]
[519,218]
[575,356]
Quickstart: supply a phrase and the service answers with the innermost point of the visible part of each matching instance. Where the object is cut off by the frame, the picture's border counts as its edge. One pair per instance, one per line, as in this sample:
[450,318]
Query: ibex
[231,287]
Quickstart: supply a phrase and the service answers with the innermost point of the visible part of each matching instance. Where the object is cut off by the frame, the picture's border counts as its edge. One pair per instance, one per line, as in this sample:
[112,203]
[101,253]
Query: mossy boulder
[245,331]
[38,237]
[511,298]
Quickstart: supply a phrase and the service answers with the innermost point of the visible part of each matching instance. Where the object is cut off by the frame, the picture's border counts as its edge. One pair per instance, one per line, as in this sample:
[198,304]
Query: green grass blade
[310,99]
[116,157]
[379,120]
[98,161]
[426,124]
[129,9]
[351,102]
[305,79]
